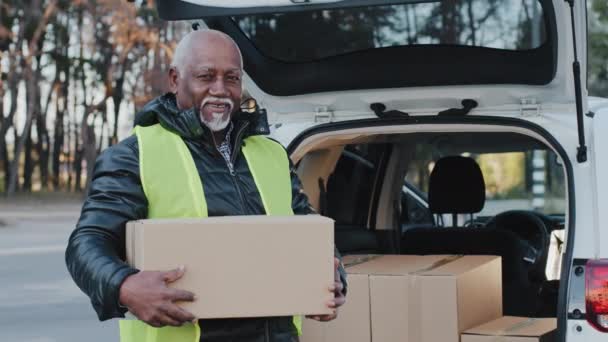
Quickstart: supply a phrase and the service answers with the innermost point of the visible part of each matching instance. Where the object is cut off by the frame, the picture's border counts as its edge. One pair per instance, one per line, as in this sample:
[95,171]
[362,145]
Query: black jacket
[96,250]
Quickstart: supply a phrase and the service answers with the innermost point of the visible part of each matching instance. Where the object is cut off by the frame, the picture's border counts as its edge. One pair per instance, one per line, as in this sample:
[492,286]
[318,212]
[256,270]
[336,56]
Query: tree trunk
[60,106]
[42,145]
[77,128]
[31,95]
[117,97]
[43,148]
[102,135]
[5,162]
[61,102]
[89,150]
[70,152]
[7,123]
[450,21]
[34,45]
[78,168]
[28,165]
[21,142]
[2,123]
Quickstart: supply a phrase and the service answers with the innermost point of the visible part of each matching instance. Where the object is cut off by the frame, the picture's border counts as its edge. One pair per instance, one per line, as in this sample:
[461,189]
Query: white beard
[217,122]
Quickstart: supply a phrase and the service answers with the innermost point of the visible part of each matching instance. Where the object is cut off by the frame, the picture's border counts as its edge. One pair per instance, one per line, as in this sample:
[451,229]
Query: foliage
[504,174]
[598,48]
[69,69]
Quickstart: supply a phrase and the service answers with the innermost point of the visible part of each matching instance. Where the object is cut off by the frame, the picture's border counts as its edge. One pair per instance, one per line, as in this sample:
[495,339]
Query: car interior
[425,193]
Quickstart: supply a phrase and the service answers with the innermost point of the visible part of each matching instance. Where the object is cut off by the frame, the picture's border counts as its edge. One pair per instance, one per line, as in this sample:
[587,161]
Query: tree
[598,48]
[37,21]
[66,61]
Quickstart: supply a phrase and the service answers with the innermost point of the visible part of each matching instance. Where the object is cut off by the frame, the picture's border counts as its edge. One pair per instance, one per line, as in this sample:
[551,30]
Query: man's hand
[339,298]
[147,296]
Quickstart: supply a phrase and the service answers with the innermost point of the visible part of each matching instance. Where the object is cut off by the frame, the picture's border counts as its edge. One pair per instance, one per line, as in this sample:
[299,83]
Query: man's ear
[173,79]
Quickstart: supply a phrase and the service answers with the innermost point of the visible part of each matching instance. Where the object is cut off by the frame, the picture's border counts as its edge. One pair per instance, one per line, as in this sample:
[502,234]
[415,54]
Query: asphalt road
[39,302]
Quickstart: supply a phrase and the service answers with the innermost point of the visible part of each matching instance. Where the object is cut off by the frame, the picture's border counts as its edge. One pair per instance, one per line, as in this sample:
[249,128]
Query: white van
[446,126]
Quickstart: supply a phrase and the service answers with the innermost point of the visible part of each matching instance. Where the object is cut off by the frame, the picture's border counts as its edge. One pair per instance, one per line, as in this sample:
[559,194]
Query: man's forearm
[97,270]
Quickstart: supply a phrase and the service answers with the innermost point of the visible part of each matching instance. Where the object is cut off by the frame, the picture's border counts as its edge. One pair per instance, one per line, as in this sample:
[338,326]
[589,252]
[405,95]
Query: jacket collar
[187,123]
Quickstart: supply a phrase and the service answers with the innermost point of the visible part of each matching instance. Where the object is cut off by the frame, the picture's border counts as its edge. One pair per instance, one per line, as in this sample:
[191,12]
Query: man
[201,115]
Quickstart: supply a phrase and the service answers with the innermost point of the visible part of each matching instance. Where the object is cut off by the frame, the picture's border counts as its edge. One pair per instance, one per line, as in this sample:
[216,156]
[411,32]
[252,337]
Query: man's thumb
[173,275]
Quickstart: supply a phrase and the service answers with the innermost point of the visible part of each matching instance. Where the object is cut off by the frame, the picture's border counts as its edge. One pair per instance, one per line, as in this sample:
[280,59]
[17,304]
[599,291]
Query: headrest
[456,186]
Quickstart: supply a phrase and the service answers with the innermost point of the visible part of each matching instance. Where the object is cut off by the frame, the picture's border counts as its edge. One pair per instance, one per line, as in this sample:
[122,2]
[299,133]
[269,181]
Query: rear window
[517,180]
[313,35]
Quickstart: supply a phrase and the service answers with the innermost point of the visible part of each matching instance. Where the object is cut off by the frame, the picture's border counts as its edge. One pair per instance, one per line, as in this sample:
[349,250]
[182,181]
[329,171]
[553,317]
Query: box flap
[458,265]
[515,326]
[245,219]
[398,265]
[355,259]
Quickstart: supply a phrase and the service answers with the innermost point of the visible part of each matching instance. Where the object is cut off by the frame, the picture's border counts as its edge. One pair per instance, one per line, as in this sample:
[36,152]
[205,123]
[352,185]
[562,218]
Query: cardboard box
[242,266]
[414,298]
[513,329]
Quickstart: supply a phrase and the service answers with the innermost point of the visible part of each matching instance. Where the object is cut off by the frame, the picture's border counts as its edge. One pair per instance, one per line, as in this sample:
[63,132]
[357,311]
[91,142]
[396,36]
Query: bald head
[201,40]
[206,74]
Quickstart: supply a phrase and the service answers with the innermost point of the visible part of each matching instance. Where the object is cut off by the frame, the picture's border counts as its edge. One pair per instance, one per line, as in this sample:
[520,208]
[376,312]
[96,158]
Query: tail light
[596,297]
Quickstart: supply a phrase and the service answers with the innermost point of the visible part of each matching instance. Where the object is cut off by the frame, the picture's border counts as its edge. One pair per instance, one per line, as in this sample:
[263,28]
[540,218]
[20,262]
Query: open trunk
[372,178]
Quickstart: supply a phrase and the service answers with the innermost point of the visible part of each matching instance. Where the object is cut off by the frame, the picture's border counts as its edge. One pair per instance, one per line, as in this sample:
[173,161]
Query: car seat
[456,186]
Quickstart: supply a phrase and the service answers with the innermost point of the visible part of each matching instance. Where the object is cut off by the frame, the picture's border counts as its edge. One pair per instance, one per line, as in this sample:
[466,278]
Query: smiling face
[206,74]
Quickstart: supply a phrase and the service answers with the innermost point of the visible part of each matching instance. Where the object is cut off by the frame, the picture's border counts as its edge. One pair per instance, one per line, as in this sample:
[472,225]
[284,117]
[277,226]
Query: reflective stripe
[168,175]
[136,331]
[297,322]
[271,174]
[173,189]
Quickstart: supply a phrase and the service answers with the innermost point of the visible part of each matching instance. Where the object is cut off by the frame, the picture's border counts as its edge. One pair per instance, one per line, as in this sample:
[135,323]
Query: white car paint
[551,106]
[590,188]
[433,99]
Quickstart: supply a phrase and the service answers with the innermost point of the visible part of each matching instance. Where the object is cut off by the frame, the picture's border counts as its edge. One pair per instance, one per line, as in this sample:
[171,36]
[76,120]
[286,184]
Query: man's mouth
[219,106]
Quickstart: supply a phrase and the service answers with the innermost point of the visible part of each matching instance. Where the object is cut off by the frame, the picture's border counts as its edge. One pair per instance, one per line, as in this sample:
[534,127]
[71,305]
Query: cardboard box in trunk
[241,266]
[414,298]
[513,329]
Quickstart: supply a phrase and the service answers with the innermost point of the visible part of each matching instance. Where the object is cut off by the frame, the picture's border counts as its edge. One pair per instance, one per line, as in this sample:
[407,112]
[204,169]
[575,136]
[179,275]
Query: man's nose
[218,87]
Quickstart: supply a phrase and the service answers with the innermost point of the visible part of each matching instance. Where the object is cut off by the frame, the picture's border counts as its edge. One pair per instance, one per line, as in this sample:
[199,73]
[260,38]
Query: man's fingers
[173,275]
[159,320]
[341,300]
[326,318]
[155,323]
[329,318]
[176,295]
[167,320]
[336,264]
[177,313]
[336,287]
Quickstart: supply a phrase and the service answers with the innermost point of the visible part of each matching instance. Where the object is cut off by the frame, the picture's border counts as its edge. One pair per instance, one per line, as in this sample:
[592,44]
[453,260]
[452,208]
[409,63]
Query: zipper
[237,139]
[232,161]
[238,190]
[267,332]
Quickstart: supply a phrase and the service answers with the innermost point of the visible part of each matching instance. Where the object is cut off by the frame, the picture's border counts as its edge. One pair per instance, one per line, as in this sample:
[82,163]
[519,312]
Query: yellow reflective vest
[163,155]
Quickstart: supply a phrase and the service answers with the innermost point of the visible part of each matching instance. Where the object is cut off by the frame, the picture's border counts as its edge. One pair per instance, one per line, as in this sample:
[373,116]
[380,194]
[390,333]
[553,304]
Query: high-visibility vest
[173,189]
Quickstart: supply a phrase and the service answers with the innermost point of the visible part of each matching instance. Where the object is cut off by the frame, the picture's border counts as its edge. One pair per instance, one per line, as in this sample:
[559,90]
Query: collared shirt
[225,149]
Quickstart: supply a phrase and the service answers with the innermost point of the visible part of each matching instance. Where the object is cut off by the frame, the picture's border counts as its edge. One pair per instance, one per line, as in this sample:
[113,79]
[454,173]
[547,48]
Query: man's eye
[204,77]
[234,78]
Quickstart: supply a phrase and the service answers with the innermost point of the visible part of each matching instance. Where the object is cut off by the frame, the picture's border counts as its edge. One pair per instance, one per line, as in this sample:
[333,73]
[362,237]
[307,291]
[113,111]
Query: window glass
[350,187]
[312,35]
[532,180]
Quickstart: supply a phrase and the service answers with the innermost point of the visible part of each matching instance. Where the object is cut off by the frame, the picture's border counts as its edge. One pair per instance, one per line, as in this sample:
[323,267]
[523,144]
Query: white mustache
[222,100]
